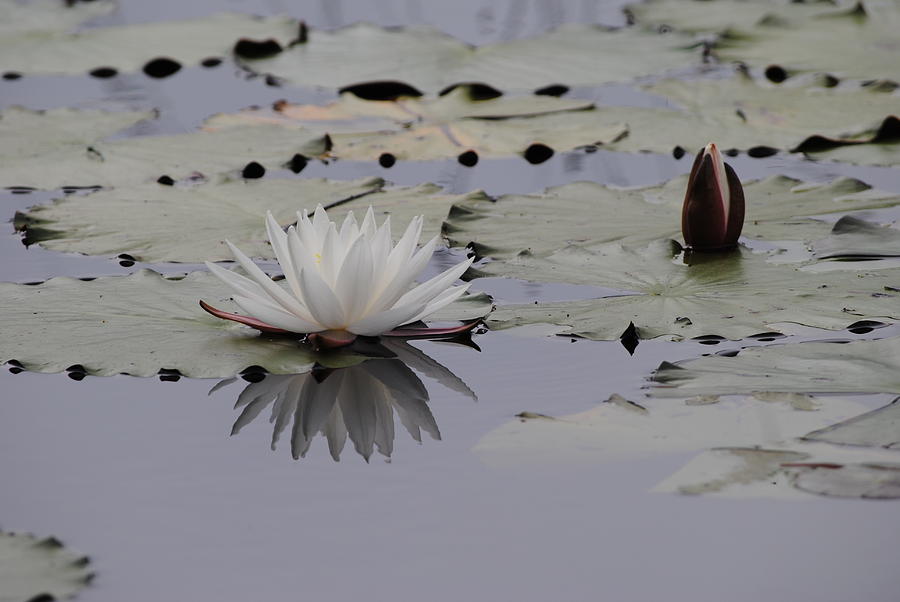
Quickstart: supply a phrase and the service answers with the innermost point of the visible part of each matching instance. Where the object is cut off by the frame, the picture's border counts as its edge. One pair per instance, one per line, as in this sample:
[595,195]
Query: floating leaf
[732,295]
[857,367]
[854,238]
[621,428]
[48,16]
[191,223]
[855,124]
[63,147]
[430,61]
[128,48]
[867,481]
[443,127]
[878,428]
[142,323]
[716,15]
[582,213]
[33,569]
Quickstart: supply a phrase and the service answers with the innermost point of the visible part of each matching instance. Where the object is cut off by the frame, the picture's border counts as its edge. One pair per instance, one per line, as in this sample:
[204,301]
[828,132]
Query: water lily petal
[320,222]
[375,324]
[349,229]
[323,304]
[395,288]
[354,281]
[278,294]
[278,240]
[275,316]
[442,300]
[426,291]
[369,227]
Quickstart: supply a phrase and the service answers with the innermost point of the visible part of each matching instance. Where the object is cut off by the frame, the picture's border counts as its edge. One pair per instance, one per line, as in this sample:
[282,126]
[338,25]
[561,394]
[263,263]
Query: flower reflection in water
[358,403]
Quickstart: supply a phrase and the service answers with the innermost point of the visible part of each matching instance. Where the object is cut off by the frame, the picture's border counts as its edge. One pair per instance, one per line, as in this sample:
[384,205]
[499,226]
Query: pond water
[142,475]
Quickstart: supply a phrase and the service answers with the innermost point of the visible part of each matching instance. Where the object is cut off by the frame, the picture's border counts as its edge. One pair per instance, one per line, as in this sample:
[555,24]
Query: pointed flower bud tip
[713,212]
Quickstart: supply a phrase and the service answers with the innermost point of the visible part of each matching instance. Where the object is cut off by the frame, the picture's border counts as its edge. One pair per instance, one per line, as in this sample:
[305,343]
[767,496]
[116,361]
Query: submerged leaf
[878,428]
[443,127]
[33,569]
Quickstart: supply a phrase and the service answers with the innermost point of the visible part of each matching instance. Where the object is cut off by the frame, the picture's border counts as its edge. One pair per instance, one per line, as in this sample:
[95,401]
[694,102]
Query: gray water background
[142,475]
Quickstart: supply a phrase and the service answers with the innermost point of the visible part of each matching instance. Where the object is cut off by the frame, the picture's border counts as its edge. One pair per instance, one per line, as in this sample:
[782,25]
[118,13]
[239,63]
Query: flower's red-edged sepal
[431,333]
[713,212]
[252,322]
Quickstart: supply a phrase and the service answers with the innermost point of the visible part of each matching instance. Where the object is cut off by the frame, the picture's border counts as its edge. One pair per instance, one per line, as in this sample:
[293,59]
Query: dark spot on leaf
[630,339]
[381,90]
[125,263]
[387,160]
[664,28]
[759,152]
[273,81]
[709,339]
[766,336]
[475,90]
[162,67]
[256,49]
[103,72]
[43,597]
[678,152]
[327,142]
[552,90]
[829,81]
[211,62]
[12,75]
[468,158]
[21,189]
[170,375]
[302,34]
[865,326]
[538,153]
[776,74]
[297,163]
[728,353]
[165,180]
[253,171]
[740,113]
[127,257]
[16,370]
[77,376]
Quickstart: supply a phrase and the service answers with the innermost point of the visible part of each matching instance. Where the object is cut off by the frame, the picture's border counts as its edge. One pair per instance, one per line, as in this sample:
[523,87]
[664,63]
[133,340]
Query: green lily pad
[48,16]
[878,428]
[430,60]
[715,16]
[856,124]
[191,223]
[621,428]
[879,481]
[144,322]
[778,208]
[64,147]
[857,367]
[443,127]
[859,42]
[855,238]
[127,48]
[733,295]
[33,568]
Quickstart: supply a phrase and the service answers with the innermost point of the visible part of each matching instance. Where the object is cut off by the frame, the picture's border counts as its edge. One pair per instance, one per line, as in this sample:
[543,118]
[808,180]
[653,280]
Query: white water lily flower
[341,282]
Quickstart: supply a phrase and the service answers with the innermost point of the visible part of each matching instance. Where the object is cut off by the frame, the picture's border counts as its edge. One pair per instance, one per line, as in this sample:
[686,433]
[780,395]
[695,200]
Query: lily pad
[443,127]
[878,428]
[856,124]
[144,322]
[128,48]
[855,238]
[48,16]
[64,147]
[732,296]
[33,568]
[857,367]
[717,16]
[858,42]
[191,223]
[581,213]
[866,481]
[431,61]
[620,428]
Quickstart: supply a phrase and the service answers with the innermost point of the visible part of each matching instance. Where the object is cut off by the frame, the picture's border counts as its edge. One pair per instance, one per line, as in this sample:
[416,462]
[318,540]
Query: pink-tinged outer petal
[425,333]
[247,320]
[713,212]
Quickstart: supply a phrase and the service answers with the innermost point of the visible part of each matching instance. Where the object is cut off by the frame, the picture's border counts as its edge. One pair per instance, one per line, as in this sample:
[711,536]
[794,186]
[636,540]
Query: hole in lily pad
[297,163]
[709,339]
[476,90]
[162,67]
[253,171]
[381,90]
[678,152]
[256,49]
[865,326]
[387,160]
[211,62]
[103,72]
[12,75]
[552,90]
[759,152]
[776,74]
[165,180]
[468,158]
[538,153]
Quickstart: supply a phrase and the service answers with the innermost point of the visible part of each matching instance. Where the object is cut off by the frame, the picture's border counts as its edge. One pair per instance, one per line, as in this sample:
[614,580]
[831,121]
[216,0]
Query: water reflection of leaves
[358,403]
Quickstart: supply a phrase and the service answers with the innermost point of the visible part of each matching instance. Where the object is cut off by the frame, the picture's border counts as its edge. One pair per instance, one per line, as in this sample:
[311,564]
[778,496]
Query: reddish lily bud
[713,211]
